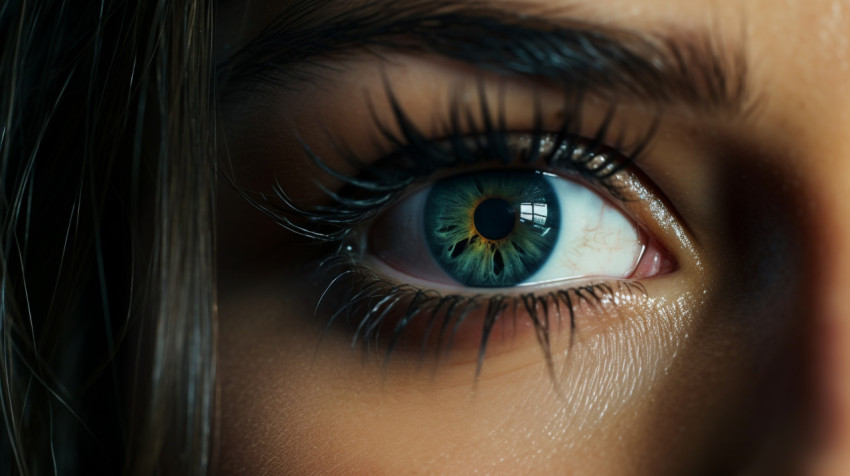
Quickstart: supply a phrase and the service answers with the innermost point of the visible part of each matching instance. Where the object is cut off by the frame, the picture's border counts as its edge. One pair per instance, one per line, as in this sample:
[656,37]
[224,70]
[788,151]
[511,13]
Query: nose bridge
[807,112]
[816,96]
[830,319]
[823,167]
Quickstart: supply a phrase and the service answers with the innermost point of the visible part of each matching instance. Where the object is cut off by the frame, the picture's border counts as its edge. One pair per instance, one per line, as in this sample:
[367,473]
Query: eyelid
[410,151]
[358,287]
[510,104]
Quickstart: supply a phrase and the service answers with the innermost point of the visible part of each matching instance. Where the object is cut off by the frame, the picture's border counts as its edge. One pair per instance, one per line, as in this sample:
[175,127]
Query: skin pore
[736,361]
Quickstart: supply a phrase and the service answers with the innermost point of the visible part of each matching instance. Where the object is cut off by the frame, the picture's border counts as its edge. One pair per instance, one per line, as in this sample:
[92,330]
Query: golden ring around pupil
[473,231]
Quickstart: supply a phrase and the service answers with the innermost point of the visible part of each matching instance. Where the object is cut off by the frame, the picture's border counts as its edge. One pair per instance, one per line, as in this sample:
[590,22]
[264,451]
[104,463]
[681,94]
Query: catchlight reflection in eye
[506,228]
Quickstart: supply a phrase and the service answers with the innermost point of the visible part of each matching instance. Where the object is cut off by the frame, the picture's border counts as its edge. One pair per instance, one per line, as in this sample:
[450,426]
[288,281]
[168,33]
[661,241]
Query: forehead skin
[798,54]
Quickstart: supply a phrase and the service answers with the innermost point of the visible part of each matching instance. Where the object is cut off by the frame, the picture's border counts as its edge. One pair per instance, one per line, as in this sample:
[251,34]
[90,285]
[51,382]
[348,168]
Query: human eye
[502,228]
[484,225]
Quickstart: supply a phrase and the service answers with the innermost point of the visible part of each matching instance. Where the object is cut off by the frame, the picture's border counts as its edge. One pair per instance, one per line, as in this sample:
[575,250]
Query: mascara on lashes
[383,312]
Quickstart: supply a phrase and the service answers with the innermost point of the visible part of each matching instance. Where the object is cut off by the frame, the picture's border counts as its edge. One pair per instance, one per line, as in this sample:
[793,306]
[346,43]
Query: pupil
[494,218]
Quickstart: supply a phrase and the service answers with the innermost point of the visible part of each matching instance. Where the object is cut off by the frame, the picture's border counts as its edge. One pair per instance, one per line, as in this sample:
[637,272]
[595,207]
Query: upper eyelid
[410,143]
[579,292]
[692,68]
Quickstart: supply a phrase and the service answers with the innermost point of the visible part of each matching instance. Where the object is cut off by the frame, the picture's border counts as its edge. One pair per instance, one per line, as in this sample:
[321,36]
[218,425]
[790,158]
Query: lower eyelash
[370,305]
[382,313]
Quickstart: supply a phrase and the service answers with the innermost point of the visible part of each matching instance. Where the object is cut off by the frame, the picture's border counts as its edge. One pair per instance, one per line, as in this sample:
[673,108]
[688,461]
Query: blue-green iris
[493,228]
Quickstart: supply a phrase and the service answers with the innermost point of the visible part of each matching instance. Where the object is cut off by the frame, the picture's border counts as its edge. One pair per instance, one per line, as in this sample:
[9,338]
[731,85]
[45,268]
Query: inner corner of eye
[504,228]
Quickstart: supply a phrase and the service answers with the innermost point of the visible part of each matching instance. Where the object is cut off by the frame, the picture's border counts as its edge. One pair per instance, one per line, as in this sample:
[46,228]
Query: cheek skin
[624,398]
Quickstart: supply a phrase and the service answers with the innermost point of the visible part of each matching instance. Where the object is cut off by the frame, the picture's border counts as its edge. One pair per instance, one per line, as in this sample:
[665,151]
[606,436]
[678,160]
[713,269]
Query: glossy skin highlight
[736,361]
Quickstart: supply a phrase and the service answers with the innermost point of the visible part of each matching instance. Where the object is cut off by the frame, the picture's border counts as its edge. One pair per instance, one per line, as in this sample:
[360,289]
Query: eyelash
[371,298]
[368,299]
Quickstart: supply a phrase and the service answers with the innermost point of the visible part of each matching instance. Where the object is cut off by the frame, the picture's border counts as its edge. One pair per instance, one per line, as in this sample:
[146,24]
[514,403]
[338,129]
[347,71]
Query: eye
[505,228]
[480,227]
[510,227]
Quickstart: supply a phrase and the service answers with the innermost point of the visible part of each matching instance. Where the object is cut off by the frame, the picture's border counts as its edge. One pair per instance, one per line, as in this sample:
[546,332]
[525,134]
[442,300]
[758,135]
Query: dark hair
[107,189]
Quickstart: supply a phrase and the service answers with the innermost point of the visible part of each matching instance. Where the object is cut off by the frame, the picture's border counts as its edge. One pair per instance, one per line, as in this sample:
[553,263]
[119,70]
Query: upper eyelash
[414,156]
[463,141]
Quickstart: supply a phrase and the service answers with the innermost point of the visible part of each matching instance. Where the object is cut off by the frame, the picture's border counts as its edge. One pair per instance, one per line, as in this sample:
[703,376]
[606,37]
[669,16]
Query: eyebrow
[690,67]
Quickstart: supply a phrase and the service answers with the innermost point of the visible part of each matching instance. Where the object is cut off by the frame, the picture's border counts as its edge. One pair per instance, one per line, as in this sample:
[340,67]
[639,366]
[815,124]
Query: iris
[492,228]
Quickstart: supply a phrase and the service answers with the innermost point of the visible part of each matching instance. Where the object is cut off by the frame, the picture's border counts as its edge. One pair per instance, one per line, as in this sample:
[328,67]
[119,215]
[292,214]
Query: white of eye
[595,239]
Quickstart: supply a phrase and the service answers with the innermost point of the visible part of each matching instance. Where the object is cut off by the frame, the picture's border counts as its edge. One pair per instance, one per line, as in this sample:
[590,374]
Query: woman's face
[687,314]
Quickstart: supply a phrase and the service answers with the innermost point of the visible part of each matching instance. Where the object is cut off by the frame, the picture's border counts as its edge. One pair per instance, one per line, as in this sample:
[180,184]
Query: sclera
[602,243]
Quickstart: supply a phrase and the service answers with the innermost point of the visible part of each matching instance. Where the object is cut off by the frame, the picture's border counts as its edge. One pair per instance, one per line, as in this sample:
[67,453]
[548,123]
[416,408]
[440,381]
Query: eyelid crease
[463,141]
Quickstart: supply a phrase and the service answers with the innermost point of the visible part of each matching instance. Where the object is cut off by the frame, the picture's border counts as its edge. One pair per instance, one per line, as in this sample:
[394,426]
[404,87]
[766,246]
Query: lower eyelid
[402,319]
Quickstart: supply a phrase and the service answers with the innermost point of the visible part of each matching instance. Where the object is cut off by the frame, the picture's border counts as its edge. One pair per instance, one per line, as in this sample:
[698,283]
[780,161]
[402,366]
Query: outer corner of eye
[513,227]
[655,260]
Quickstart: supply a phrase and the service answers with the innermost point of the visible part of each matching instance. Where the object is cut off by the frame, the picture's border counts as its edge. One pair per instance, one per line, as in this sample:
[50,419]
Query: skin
[736,362]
